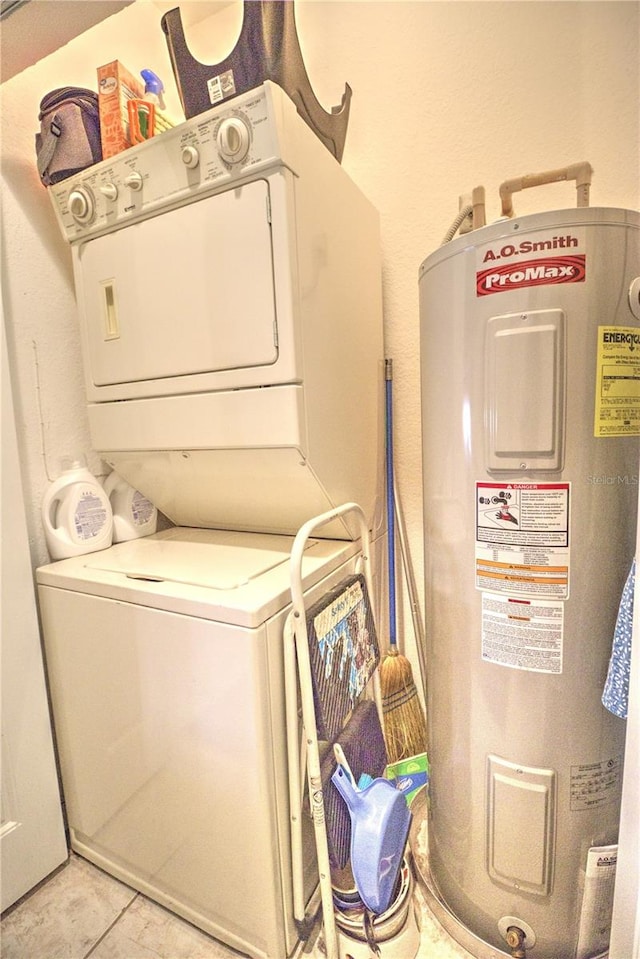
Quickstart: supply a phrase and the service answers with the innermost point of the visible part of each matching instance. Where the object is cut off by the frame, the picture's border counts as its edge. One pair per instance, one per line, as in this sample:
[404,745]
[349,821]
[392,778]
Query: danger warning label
[522,539]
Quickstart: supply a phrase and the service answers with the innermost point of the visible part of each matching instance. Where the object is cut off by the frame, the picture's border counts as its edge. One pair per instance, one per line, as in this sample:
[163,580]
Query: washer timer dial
[233,139]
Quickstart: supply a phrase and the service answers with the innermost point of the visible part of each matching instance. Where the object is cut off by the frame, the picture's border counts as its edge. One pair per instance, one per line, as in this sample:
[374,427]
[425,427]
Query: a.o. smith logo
[515,276]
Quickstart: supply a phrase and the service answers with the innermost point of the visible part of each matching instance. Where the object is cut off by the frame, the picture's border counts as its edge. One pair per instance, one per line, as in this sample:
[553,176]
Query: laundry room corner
[244,394]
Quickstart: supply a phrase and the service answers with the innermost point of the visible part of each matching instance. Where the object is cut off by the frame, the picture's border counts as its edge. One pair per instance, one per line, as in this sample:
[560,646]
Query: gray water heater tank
[530,365]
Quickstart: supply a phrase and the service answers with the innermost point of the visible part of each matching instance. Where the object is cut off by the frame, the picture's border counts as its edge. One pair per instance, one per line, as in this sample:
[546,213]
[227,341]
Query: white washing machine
[165,659]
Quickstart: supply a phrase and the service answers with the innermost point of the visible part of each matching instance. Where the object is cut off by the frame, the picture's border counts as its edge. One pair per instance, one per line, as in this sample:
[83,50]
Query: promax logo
[514,276]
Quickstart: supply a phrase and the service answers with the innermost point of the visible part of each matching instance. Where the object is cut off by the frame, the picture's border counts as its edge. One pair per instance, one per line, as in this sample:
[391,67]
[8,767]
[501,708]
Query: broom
[405,728]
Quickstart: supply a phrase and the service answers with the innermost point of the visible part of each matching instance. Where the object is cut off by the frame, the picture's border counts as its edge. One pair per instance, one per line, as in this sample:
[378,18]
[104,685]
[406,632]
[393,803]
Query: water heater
[530,365]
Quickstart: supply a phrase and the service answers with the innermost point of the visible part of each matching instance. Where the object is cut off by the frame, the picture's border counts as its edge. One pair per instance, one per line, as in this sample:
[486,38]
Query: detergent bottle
[76,513]
[133,514]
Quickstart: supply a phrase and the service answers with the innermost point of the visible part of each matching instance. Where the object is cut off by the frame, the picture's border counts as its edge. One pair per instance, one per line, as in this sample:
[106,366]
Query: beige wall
[447,95]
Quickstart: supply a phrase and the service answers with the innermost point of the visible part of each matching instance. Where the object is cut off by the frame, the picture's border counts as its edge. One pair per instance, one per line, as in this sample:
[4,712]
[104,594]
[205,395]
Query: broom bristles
[405,727]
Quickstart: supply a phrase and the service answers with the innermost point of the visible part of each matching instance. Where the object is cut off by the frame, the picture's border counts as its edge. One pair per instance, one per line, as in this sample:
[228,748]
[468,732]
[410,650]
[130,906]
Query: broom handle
[418,628]
[391,532]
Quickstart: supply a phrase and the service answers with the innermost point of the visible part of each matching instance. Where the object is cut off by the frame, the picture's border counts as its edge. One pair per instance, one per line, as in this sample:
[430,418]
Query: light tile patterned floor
[83,913]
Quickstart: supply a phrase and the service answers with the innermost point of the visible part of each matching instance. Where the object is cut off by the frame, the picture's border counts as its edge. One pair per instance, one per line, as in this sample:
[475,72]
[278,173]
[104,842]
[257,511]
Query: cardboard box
[410,775]
[116,86]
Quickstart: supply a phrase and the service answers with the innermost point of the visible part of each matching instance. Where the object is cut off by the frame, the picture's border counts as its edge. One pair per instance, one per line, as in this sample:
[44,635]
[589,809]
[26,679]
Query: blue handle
[343,783]
[391,532]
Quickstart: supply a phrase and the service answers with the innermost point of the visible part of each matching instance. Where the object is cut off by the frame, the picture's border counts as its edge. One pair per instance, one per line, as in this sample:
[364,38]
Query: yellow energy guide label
[617,393]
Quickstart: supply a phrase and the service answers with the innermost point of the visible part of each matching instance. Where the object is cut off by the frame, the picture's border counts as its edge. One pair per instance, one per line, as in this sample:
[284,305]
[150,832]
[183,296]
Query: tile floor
[83,913]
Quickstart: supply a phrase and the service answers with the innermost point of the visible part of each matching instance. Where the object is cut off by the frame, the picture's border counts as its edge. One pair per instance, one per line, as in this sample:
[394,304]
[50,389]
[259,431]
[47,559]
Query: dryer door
[188,291]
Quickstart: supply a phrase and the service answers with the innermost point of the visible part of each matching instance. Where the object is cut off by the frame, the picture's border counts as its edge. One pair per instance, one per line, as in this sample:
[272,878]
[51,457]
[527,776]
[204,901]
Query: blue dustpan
[380,820]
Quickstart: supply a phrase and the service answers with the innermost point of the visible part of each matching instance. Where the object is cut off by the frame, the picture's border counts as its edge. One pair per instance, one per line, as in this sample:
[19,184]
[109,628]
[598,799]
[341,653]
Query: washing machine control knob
[233,139]
[134,180]
[190,157]
[81,204]
[109,190]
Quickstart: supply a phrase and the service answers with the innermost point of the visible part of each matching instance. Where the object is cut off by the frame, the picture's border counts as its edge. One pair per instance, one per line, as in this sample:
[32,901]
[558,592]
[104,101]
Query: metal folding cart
[326,710]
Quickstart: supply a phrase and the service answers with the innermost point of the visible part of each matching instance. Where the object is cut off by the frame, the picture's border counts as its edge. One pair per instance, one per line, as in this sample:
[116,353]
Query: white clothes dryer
[165,659]
[230,310]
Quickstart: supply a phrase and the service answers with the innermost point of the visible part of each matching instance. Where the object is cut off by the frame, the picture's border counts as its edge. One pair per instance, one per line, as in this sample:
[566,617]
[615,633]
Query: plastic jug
[76,513]
[133,514]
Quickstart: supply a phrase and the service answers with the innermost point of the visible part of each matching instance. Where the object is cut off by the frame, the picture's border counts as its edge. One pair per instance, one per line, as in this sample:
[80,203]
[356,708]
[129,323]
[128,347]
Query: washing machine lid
[230,577]
[211,559]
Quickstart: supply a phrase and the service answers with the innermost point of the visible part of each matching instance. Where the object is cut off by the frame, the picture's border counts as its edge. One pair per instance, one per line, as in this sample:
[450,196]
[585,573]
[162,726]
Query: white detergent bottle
[76,513]
[133,514]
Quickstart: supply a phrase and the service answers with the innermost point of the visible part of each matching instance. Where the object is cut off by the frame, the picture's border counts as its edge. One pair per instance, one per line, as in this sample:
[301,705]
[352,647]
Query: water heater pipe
[478,204]
[580,172]
[475,209]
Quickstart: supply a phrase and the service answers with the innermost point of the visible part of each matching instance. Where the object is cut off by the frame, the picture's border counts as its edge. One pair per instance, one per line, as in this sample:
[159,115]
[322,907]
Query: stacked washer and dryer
[228,283]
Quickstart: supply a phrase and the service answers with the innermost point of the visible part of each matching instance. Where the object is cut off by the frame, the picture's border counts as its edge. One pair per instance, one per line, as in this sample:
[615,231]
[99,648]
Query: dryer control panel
[201,156]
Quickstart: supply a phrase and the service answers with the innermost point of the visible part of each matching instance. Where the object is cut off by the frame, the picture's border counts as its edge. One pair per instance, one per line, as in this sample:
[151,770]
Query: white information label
[90,516]
[221,87]
[597,902]
[522,633]
[595,784]
[522,539]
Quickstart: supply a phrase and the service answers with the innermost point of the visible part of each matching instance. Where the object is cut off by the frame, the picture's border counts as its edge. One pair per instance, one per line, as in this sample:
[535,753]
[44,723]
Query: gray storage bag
[69,138]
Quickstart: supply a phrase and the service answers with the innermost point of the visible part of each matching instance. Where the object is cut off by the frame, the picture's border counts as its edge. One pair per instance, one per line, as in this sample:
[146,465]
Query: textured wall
[447,95]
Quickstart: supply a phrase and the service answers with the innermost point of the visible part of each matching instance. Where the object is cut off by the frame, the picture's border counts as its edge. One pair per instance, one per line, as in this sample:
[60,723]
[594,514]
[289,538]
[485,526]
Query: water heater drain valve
[518,935]
[515,941]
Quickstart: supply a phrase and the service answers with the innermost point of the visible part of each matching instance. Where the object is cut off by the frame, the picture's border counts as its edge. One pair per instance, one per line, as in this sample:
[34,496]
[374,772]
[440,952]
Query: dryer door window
[184,292]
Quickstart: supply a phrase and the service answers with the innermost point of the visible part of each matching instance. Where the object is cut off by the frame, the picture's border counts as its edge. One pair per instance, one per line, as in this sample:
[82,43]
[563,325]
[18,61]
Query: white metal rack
[303,749]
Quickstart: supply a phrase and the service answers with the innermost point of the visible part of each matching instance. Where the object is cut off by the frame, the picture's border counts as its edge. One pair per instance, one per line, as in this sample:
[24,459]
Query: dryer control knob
[81,204]
[233,139]
[134,180]
[190,157]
